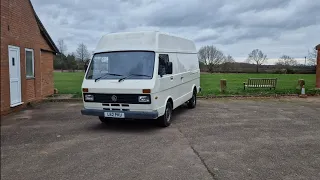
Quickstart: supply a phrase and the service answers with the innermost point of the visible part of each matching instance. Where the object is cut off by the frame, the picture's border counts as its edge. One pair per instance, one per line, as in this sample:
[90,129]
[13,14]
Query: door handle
[181,77]
[171,77]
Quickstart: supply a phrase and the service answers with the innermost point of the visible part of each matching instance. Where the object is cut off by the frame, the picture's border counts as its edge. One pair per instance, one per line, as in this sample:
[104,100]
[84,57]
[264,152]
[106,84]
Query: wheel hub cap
[194,100]
[168,114]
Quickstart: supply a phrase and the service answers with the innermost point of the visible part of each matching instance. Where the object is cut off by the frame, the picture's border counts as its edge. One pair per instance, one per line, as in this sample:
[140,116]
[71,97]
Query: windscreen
[122,63]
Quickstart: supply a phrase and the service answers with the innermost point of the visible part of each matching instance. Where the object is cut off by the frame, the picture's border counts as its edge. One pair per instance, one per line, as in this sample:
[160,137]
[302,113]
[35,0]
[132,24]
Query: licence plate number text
[114,114]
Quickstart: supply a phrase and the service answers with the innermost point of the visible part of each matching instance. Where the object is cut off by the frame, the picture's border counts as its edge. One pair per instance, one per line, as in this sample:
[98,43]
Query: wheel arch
[162,109]
[194,88]
[169,99]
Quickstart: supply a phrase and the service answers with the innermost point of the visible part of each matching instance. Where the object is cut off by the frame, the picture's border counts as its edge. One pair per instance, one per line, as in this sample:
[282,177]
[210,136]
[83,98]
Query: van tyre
[165,120]
[192,103]
[103,119]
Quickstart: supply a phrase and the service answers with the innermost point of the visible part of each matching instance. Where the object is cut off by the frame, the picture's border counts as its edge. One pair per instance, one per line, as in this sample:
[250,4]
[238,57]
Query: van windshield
[128,64]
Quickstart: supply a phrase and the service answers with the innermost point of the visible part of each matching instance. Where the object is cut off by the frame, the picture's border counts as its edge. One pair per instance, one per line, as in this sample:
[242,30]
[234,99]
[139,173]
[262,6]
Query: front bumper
[128,114]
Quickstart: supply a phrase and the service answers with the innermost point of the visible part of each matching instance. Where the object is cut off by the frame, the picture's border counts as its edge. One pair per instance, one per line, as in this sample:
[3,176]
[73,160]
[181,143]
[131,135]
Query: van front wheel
[165,120]
[193,101]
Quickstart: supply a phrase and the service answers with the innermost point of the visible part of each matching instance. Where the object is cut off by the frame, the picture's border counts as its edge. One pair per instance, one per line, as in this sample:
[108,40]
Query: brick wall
[19,28]
[30,94]
[47,84]
[318,67]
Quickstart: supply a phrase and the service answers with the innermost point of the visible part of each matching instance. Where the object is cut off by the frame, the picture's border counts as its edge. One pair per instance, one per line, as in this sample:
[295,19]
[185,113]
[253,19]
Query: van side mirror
[169,68]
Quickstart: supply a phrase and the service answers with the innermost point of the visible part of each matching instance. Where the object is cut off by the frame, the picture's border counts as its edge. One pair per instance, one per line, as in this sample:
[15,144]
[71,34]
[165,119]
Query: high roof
[145,40]
[44,31]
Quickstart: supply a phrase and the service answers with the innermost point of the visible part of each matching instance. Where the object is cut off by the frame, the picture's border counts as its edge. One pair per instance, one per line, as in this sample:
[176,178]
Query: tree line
[212,58]
[209,56]
[71,61]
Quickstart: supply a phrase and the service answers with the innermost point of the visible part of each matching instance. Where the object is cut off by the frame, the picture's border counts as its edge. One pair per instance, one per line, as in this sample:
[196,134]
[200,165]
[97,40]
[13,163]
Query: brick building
[27,54]
[318,67]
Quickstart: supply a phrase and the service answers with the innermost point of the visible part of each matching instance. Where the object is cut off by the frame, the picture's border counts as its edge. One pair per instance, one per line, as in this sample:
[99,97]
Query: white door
[15,77]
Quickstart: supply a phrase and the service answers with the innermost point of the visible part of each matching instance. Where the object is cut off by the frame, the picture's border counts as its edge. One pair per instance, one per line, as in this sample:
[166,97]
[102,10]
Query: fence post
[318,67]
[301,83]
[223,85]
[303,92]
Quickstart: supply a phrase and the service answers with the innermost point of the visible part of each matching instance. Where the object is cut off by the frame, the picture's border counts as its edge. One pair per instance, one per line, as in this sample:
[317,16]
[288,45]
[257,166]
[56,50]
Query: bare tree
[286,60]
[82,53]
[62,46]
[210,56]
[257,57]
[228,63]
[229,59]
[62,61]
[312,57]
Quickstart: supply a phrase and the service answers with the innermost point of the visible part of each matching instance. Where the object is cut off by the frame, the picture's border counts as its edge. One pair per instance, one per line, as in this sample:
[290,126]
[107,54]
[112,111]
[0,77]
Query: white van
[141,75]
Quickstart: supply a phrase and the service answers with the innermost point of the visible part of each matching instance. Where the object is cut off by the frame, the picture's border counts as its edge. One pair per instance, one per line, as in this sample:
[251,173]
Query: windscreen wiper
[121,79]
[105,74]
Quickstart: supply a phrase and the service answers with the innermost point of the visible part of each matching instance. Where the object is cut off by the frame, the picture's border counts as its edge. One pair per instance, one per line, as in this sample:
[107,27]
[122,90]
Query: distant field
[286,83]
[70,83]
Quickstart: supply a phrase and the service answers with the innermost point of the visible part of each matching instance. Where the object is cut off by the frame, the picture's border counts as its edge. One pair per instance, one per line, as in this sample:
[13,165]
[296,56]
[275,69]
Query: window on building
[29,63]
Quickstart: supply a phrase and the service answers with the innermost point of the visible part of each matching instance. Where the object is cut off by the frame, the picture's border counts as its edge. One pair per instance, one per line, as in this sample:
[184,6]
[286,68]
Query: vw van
[141,75]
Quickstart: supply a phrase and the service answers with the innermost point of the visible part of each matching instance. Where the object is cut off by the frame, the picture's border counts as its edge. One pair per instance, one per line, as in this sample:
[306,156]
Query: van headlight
[144,99]
[88,97]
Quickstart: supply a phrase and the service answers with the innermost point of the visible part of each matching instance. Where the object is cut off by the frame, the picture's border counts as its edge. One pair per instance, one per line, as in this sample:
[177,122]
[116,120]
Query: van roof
[145,40]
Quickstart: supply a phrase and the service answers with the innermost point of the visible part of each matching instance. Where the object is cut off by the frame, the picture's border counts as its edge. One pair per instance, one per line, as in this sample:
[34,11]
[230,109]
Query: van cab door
[166,78]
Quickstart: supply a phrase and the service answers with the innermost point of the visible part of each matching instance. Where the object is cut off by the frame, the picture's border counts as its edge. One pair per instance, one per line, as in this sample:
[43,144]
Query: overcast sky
[276,27]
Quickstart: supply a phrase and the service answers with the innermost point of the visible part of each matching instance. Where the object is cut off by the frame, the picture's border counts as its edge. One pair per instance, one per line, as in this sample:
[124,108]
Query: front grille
[120,98]
[109,109]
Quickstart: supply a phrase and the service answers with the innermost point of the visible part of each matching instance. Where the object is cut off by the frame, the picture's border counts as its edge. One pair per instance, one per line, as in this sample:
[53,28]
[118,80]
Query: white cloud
[237,27]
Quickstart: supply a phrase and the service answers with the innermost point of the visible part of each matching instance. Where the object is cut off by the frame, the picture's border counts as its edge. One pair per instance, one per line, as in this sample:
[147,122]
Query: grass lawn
[286,84]
[70,83]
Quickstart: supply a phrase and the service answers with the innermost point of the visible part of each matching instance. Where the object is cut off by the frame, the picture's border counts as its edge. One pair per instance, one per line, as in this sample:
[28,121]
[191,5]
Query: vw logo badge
[114,98]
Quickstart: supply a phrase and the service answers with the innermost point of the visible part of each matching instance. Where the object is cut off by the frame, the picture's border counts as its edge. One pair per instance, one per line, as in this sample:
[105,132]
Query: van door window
[165,66]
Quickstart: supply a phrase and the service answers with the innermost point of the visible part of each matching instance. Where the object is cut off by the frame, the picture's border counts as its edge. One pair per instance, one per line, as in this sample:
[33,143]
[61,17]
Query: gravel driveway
[220,139]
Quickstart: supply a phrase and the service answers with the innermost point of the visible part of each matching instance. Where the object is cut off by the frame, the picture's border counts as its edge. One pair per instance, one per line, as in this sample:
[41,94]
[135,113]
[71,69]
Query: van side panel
[171,43]
[176,91]
[185,76]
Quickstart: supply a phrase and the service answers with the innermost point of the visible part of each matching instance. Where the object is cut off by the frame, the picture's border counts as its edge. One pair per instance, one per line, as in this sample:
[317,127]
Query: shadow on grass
[77,95]
[260,92]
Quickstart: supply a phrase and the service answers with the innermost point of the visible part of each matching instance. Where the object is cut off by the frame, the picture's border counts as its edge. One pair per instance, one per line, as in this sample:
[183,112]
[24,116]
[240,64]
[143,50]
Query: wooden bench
[260,83]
